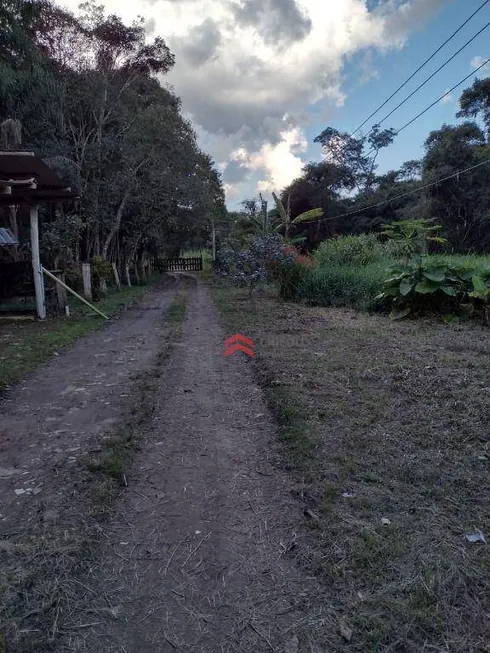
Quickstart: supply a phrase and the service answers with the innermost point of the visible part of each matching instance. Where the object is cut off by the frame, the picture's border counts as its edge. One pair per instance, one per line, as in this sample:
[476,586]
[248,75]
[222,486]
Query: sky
[261,78]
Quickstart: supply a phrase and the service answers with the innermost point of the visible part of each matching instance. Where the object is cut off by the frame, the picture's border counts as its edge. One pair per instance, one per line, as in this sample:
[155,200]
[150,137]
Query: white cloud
[476,62]
[279,163]
[248,69]
[448,98]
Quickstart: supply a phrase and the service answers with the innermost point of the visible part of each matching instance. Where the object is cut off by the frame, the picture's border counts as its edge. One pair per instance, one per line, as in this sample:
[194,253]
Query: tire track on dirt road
[196,557]
[49,423]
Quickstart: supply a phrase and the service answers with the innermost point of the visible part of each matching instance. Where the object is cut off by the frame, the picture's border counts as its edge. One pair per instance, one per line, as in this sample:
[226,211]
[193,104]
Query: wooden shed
[26,181]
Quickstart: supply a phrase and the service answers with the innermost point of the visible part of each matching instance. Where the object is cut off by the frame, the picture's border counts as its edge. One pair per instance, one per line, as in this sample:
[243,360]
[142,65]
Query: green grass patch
[26,345]
[207,258]
[352,286]
[176,311]
[355,284]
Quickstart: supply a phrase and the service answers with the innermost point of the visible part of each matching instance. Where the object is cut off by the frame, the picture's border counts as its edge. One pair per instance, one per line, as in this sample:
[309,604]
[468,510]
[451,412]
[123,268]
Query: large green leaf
[406,287]
[313,214]
[298,240]
[281,210]
[479,286]
[435,274]
[426,287]
[400,313]
[449,290]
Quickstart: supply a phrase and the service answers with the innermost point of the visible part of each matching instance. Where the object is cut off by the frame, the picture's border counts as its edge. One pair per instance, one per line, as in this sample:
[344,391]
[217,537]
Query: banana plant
[284,222]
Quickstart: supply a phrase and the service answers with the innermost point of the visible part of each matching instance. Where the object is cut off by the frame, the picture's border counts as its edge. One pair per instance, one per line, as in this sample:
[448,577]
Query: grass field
[355,285]
[385,427]
[25,345]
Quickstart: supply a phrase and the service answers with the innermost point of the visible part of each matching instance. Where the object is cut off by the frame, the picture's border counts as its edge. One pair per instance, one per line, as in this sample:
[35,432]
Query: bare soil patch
[199,555]
[53,423]
[24,345]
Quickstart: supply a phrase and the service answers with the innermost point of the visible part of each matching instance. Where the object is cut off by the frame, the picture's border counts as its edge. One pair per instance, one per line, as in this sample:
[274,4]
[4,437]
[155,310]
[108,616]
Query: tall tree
[475,102]
[90,102]
[461,204]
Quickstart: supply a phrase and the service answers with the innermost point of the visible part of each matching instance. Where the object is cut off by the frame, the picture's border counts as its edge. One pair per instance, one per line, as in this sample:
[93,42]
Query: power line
[433,104]
[434,74]
[397,197]
[421,66]
[485,63]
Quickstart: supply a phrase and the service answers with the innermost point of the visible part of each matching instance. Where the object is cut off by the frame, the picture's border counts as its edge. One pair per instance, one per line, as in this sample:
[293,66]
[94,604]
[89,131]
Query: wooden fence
[181,264]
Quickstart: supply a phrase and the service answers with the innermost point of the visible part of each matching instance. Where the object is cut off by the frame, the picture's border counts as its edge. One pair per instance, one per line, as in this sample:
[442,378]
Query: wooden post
[36,263]
[116,276]
[61,293]
[87,281]
[214,240]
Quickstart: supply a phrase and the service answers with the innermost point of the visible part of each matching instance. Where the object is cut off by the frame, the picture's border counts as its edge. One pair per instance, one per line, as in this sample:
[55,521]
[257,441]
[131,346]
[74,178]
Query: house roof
[26,179]
[7,237]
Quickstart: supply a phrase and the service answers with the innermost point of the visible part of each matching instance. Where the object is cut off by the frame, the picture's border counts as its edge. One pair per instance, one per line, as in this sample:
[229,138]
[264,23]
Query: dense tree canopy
[86,90]
[356,199]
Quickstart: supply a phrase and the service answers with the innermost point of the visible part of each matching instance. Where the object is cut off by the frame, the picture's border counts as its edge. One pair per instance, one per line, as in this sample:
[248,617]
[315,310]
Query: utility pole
[265,225]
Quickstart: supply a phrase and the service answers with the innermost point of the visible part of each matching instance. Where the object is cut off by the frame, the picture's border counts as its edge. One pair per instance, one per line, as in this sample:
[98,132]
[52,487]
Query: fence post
[87,281]
[61,293]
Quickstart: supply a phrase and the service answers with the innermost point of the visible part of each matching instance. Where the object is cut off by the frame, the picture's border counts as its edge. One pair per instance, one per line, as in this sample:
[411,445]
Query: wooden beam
[70,290]
[36,263]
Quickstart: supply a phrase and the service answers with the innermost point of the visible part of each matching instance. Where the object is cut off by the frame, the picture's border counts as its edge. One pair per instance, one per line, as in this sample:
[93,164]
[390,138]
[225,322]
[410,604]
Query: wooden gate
[181,264]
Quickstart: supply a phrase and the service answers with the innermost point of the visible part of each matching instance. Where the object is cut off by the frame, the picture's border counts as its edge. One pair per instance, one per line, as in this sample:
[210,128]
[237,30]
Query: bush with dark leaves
[248,267]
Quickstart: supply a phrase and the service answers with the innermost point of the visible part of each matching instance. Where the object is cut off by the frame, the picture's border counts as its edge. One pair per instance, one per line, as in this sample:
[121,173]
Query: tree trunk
[128,276]
[99,169]
[214,240]
[117,223]
[116,276]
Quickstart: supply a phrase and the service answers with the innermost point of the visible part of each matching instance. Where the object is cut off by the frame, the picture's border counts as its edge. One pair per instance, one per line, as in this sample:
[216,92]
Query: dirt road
[196,556]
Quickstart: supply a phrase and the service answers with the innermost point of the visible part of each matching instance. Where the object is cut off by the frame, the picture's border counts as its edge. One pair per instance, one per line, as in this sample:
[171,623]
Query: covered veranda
[26,182]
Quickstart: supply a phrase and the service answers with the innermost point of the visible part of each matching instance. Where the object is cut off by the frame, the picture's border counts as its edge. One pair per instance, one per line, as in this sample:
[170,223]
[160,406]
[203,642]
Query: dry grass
[387,426]
[42,561]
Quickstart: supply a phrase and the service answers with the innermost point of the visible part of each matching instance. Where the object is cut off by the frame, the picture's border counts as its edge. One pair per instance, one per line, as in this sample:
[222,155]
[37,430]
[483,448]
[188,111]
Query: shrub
[481,292]
[101,270]
[291,279]
[412,237]
[351,250]
[423,286]
[260,262]
[353,286]
[291,275]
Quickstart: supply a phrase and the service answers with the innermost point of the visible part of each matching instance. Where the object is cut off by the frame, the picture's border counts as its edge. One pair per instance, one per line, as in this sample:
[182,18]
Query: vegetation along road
[158,496]
[329,494]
